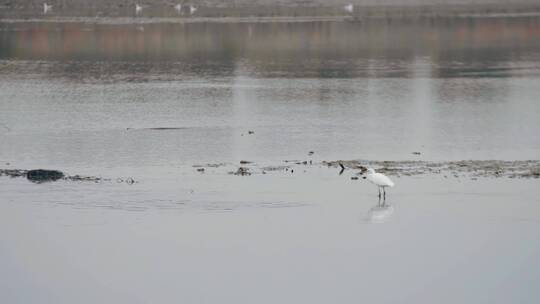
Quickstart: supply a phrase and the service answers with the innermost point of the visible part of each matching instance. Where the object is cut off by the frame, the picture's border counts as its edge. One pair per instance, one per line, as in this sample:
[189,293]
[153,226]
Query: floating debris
[243,171]
[245,162]
[200,170]
[13,172]
[79,178]
[342,168]
[251,132]
[311,153]
[275,168]
[159,128]
[292,161]
[42,175]
[416,153]
[210,165]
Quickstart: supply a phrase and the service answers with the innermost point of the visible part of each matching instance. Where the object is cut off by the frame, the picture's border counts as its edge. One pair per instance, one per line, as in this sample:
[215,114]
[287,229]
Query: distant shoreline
[287,19]
[158,11]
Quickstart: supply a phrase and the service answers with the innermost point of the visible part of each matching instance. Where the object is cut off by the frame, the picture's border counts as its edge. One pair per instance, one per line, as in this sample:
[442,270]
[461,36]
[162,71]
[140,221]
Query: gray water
[83,95]
[151,100]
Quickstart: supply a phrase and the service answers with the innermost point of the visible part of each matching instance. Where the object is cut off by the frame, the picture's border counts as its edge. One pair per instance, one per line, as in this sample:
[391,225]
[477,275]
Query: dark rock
[41,175]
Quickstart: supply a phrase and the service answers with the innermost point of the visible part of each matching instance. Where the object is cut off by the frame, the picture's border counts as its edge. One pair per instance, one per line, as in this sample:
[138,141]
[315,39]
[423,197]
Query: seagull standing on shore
[46,8]
[138,8]
[178,7]
[379,179]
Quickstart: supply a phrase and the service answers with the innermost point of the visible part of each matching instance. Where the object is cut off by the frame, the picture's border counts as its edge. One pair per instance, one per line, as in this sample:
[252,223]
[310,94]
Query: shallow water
[312,237]
[459,89]
[150,101]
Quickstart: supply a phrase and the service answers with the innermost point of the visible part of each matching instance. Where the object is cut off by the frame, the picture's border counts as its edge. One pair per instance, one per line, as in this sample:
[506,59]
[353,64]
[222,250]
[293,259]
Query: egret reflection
[380,213]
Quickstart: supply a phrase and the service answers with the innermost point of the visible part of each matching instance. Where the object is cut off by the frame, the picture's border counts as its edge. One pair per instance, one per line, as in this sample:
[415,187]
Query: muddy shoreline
[468,168]
[471,169]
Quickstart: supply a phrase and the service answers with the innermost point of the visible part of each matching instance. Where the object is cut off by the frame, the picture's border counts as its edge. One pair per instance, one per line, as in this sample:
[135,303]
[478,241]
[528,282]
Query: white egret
[46,8]
[178,7]
[192,9]
[138,8]
[379,179]
[349,8]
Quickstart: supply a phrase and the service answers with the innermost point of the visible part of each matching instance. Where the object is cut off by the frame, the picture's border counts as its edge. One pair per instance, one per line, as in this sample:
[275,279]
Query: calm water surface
[86,98]
[82,95]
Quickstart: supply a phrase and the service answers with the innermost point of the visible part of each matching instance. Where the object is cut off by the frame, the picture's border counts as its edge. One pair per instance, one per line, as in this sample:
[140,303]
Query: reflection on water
[459,88]
[378,48]
[380,213]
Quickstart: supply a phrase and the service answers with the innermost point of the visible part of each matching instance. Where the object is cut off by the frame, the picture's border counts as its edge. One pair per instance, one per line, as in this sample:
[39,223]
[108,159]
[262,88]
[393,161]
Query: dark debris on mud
[43,176]
[242,171]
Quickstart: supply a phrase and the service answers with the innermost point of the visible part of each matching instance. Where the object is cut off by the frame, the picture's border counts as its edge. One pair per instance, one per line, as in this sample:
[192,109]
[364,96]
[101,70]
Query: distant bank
[16,9]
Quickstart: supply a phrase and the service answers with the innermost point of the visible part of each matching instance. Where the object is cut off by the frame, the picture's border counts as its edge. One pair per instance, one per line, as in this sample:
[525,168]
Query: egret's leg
[384,192]
[379,192]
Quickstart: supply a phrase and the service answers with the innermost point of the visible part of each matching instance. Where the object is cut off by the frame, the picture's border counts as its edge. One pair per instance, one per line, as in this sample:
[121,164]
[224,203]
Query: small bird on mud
[379,179]
[178,7]
[46,8]
[138,8]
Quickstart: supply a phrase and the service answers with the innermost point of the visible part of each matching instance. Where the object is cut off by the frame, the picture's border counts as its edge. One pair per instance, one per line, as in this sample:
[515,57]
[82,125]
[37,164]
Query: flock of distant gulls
[191,9]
